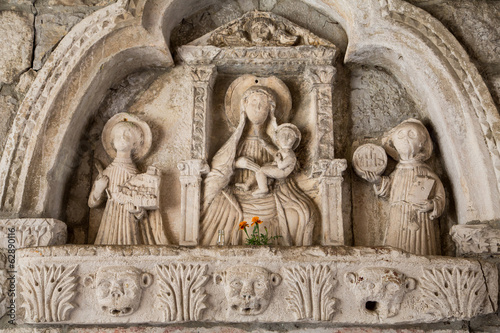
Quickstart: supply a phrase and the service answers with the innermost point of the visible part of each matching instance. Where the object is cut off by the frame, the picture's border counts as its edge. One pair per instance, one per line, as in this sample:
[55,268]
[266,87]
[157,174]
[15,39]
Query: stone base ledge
[94,285]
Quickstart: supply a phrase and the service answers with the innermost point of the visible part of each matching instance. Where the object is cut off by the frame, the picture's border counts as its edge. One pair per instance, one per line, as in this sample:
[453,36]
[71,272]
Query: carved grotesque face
[119,289]
[248,289]
[380,291]
[126,136]
[260,32]
[257,107]
[408,140]
[286,138]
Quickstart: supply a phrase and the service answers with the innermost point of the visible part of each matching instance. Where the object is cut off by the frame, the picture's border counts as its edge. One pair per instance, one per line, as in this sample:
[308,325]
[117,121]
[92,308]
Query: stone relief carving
[263,29]
[476,238]
[380,291]
[415,192]
[248,289]
[48,292]
[33,232]
[310,292]
[455,291]
[132,213]
[182,293]
[468,77]
[190,179]
[119,289]
[254,105]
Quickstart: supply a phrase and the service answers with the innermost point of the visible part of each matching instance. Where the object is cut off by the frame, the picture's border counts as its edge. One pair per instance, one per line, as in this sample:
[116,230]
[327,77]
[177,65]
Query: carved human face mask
[248,289]
[257,107]
[380,291]
[125,136]
[260,32]
[119,289]
[286,138]
[408,141]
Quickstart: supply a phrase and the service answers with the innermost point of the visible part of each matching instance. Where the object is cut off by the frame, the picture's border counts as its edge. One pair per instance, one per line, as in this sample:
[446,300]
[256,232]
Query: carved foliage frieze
[32,232]
[181,291]
[455,292]
[477,238]
[48,292]
[310,291]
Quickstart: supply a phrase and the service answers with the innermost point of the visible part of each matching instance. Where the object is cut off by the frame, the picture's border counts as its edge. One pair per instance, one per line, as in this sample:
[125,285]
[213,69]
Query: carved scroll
[310,292]
[48,292]
[190,179]
[182,294]
[455,292]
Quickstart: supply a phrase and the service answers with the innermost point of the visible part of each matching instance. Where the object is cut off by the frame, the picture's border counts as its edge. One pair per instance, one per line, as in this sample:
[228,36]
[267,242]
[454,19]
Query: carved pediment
[263,29]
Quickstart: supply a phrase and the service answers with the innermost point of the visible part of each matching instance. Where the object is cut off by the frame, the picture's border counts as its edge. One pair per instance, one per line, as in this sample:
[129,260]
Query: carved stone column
[203,81]
[191,170]
[328,169]
[190,179]
[321,79]
[330,190]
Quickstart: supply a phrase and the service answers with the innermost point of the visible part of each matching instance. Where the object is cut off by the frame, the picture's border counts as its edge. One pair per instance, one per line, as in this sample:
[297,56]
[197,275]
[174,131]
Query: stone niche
[334,89]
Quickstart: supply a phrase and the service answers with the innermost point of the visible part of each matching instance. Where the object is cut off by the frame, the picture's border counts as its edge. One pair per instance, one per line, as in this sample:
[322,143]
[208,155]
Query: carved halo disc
[369,157]
[245,82]
[142,150]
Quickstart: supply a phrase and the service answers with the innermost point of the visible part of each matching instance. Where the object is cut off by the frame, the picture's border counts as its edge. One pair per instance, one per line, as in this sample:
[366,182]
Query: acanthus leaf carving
[310,291]
[455,292]
[48,292]
[182,293]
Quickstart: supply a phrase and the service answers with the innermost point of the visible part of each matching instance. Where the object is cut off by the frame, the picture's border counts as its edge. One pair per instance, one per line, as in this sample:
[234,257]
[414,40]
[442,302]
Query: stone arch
[134,34]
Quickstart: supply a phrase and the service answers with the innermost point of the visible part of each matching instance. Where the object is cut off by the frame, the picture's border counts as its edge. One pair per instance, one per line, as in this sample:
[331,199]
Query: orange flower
[256,219]
[243,225]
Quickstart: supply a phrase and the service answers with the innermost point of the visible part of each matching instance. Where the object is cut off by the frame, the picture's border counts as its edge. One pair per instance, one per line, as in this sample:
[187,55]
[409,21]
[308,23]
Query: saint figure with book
[132,214]
[416,194]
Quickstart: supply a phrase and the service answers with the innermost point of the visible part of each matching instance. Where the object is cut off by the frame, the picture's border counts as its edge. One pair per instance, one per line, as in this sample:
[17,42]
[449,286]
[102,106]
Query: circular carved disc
[143,148]
[369,157]
[244,82]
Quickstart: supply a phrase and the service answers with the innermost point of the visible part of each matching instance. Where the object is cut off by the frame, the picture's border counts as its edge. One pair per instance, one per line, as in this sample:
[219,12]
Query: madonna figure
[131,215]
[253,106]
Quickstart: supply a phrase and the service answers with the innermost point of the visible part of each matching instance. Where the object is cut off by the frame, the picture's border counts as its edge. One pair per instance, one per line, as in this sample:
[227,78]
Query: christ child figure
[287,138]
